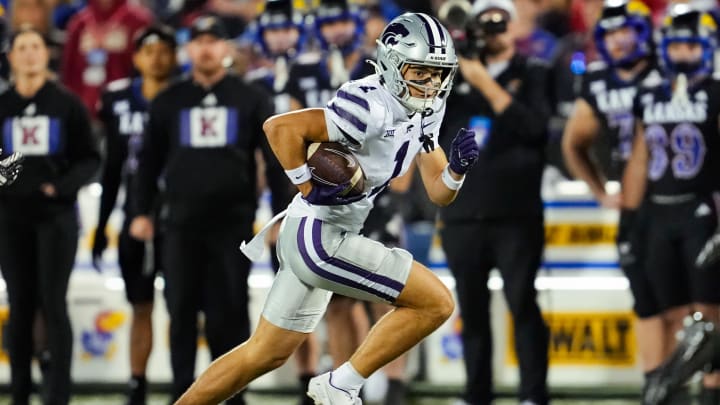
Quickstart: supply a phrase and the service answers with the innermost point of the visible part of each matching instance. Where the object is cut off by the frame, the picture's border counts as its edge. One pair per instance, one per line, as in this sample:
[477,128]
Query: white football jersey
[366,118]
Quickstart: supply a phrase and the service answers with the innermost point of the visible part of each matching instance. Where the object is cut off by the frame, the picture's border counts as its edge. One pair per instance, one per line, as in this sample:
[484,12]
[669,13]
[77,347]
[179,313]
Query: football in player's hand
[332,164]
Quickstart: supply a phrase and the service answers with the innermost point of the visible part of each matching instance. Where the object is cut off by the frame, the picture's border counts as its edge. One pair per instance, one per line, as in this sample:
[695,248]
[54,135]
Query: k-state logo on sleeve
[208,127]
[31,136]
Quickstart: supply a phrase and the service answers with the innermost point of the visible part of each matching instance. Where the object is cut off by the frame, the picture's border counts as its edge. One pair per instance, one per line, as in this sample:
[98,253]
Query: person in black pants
[123,112]
[497,222]
[202,135]
[38,218]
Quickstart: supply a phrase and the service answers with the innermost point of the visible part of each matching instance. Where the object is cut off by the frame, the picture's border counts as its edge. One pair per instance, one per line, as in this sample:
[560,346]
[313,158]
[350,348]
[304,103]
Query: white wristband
[299,175]
[449,182]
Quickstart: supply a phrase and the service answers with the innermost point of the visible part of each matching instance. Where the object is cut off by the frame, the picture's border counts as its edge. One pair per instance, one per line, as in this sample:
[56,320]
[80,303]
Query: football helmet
[329,11]
[686,24]
[415,39]
[625,13]
[280,14]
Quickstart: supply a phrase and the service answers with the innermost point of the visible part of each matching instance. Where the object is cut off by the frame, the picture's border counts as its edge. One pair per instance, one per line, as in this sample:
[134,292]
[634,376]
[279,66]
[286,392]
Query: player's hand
[464,151]
[142,228]
[624,237]
[710,253]
[99,245]
[10,168]
[48,189]
[330,195]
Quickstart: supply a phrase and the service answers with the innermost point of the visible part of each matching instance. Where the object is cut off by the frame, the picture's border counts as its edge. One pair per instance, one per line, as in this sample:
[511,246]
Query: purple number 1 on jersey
[399,159]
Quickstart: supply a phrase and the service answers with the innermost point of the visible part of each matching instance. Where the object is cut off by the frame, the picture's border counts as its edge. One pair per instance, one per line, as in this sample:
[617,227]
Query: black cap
[154,33]
[208,25]
[279,13]
[329,9]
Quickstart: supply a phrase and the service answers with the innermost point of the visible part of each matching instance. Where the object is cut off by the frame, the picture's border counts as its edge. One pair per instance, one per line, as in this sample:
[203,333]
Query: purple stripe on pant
[335,261]
[328,275]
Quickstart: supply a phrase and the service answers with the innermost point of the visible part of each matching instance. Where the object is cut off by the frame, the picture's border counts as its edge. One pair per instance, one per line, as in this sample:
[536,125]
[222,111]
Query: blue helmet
[329,11]
[279,14]
[619,14]
[686,24]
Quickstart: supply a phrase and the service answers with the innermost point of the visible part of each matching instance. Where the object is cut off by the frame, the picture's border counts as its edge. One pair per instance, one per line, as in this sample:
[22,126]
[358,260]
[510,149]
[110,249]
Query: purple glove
[328,195]
[464,151]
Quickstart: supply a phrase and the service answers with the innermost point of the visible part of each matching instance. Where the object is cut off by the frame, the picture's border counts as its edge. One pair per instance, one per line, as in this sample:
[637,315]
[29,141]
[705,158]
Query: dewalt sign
[586,339]
[565,234]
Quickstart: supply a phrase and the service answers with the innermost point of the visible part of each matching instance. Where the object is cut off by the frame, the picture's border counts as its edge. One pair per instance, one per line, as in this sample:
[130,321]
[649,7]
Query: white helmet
[415,39]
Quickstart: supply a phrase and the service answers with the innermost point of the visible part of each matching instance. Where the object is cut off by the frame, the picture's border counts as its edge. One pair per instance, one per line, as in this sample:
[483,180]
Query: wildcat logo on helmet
[393,33]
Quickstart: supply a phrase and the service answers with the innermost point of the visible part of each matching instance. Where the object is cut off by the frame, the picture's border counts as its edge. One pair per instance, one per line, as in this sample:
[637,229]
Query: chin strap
[281,74]
[680,92]
[427,140]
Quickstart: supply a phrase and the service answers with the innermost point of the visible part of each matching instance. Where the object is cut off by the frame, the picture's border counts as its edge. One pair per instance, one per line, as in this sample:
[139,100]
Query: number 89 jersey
[376,127]
[682,137]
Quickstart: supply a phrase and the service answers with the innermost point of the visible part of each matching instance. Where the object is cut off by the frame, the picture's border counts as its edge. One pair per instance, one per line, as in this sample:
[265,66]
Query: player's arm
[443,179]
[151,161]
[116,153]
[431,166]
[580,132]
[289,134]
[402,184]
[635,176]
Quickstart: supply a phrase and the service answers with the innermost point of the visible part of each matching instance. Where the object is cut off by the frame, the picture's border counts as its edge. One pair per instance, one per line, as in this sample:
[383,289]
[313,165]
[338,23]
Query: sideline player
[675,158]
[319,248]
[602,120]
[123,111]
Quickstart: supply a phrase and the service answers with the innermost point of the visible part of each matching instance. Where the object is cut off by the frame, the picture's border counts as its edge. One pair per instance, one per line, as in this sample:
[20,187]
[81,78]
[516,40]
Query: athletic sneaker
[323,392]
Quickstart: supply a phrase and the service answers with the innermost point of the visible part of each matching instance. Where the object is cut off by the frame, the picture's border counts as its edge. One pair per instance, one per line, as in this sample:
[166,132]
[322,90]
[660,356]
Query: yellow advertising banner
[586,339]
[567,234]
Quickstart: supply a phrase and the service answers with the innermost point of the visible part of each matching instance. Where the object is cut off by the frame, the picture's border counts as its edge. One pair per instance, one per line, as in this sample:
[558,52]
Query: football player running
[602,120]
[386,119]
[674,167]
